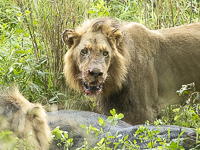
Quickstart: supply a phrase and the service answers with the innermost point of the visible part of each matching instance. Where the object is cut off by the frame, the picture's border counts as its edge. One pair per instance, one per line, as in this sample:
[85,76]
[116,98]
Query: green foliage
[186,114]
[113,119]
[107,138]
[175,146]
[147,134]
[31,49]
[188,94]
[119,142]
[154,14]
[99,9]
[9,141]
[31,53]
[61,138]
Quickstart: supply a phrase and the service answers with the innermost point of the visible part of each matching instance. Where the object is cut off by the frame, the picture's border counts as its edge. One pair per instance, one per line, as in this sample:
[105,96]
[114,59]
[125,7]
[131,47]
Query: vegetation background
[31,48]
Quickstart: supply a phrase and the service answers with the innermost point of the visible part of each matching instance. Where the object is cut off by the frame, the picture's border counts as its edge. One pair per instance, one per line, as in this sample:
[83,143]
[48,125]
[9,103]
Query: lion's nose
[96,72]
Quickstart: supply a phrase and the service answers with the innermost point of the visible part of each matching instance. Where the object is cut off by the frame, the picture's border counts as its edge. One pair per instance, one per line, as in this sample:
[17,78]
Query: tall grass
[31,49]
[155,14]
[33,58]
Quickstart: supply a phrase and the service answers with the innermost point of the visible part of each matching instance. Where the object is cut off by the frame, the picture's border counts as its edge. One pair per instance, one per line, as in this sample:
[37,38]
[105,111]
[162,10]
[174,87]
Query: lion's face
[93,55]
[95,62]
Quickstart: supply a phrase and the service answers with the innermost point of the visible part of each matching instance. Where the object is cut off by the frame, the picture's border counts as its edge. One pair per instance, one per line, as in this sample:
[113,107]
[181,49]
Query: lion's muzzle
[93,80]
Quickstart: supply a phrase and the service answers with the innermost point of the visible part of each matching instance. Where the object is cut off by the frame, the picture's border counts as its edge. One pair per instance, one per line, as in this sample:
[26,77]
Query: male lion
[131,68]
[26,120]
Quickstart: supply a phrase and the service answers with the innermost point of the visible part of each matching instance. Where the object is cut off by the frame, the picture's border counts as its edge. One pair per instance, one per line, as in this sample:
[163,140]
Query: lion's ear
[117,35]
[68,37]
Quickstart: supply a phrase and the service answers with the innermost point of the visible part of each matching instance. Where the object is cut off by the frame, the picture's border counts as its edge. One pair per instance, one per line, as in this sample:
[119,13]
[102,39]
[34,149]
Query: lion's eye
[105,53]
[84,51]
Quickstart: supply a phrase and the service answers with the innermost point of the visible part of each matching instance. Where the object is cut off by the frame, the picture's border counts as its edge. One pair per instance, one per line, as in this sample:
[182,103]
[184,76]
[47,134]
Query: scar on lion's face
[94,54]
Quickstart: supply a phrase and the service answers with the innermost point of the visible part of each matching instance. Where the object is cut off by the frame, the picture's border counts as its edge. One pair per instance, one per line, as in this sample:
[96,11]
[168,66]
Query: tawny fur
[25,119]
[145,67]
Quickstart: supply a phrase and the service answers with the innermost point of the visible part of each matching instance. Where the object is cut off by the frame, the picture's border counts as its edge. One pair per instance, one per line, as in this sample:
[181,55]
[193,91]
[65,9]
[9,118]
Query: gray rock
[70,120]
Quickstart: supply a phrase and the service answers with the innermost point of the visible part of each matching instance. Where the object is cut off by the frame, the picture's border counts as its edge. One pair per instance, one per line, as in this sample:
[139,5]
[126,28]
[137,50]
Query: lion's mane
[24,119]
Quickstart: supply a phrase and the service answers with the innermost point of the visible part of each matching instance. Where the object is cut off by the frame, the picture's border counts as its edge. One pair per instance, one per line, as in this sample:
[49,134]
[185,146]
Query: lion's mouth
[93,88]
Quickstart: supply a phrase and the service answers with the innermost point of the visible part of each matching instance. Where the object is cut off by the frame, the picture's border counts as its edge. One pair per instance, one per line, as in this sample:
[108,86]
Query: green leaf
[53,99]
[96,135]
[110,119]
[101,121]
[19,31]
[28,12]
[90,11]
[65,134]
[150,145]
[35,22]
[176,118]
[114,122]
[100,142]
[126,137]
[172,145]
[10,70]
[20,52]
[116,144]
[111,137]
[113,112]
[94,129]
[57,134]
[83,126]
[120,116]
[26,34]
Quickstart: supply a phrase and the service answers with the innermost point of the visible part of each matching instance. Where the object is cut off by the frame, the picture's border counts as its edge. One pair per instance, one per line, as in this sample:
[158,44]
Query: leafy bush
[10,141]
[31,49]
[185,114]
[61,138]
[31,53]
[116,140]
